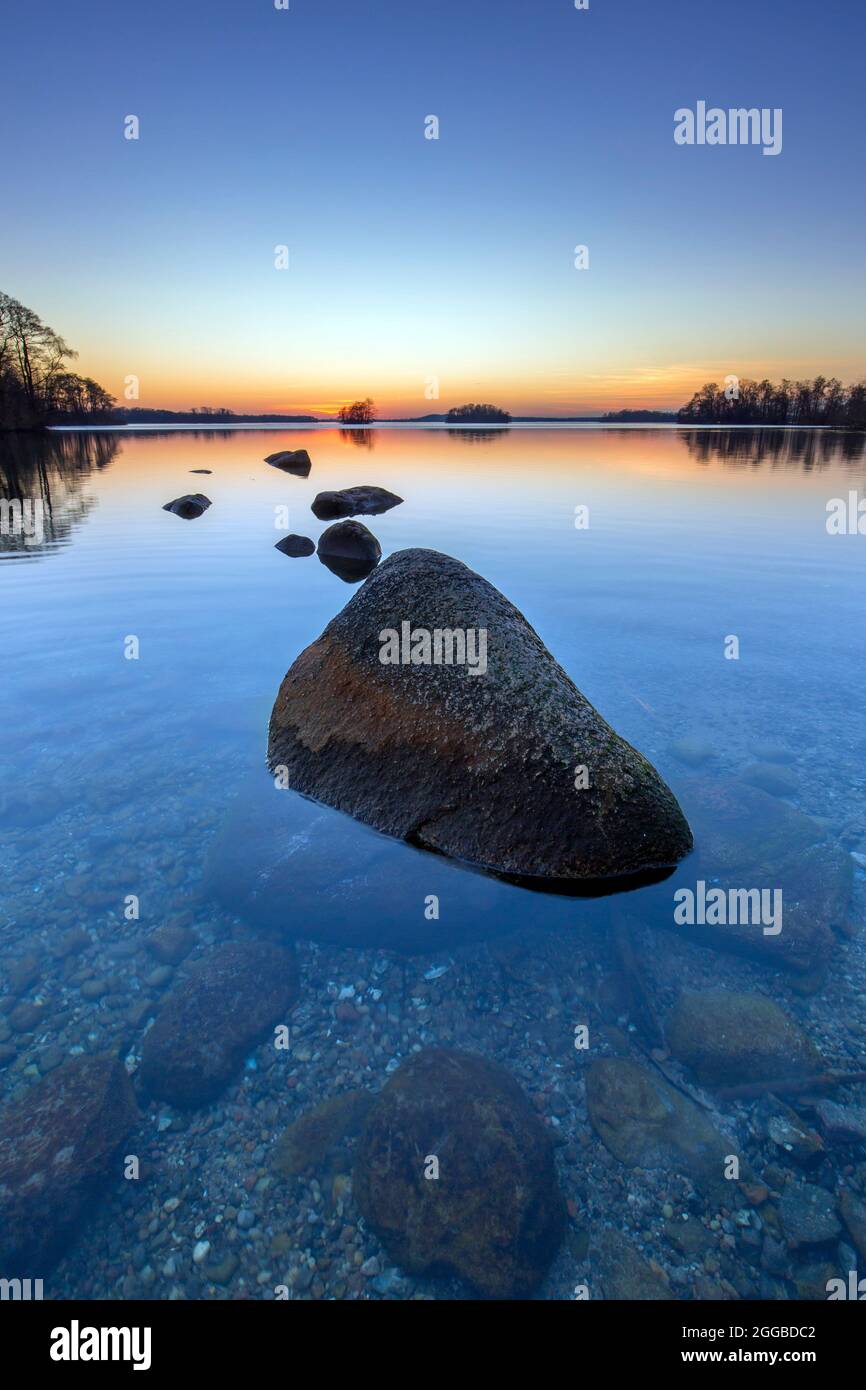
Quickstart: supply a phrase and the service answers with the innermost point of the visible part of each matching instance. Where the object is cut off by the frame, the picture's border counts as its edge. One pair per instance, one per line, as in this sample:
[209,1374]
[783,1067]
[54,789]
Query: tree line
[481,414]
[824,401]
[36,386]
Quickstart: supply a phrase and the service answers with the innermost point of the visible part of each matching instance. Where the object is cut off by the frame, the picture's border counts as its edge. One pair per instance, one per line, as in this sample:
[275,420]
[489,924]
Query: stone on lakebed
[494,1214]
[646,1123]
[727,1037]
[749,840]
[213,1018]
[474,763]
[59,1147]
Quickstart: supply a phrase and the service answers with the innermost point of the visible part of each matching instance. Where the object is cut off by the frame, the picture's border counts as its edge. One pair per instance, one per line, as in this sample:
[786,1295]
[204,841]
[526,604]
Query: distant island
[202,415]
[477,415]
[638,417]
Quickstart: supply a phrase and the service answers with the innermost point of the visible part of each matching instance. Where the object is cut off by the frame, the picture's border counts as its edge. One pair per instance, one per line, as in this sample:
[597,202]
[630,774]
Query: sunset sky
[412,258]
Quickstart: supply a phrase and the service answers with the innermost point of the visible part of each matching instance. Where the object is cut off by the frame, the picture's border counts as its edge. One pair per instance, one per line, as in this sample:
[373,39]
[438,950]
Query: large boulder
[59,1146]
[210,1021]
[494,1215]
[475,758]
[727,1038]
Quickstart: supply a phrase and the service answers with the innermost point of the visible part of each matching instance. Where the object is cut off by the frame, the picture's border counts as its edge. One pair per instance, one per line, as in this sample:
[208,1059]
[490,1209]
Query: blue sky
[411,258]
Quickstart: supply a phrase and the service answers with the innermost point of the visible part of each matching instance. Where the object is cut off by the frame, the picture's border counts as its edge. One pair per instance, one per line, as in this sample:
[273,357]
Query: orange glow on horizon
[558,392]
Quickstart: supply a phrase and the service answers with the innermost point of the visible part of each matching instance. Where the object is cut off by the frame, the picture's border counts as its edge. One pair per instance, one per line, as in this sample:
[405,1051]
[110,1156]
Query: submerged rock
[647,1123]
[354,501]
[475,759]
[852,1209]
[808,1214]
[622,1271]
[842,1124]
[768,777]
[211,1020]
[494,1214]
[748,840]
[296,461]
[59,1147]
[296,546]
[312,1139]
[728,1038]
[693,750]
[189,507]
[349,550]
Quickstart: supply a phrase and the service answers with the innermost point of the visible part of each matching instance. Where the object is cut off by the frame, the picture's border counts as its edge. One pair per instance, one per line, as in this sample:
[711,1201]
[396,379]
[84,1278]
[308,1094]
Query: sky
[418,266]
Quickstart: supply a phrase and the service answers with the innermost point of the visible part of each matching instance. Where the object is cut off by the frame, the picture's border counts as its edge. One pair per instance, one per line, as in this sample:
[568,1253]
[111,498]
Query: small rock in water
[768,777]
[22,972]
[189,507]
[170,944]
[623,1272]
[727,1038]
[296,546]
[211,1020]
[808,1214]
[58,1147]
[647,1123]
[842,1123]
[693,751]
[784,1128]
[852,1209]
[291,461]
[794,877]
[773,753]
[349,550]
[354,501]
[314,1136]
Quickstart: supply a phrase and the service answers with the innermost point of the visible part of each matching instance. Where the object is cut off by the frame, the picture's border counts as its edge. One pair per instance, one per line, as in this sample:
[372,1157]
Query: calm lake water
[147,777]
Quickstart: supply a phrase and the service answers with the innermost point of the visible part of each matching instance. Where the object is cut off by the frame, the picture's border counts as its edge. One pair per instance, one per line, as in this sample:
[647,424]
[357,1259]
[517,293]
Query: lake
[687,582]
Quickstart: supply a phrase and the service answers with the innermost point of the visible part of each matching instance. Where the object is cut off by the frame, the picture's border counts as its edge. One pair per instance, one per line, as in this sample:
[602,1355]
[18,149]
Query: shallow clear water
[118,774]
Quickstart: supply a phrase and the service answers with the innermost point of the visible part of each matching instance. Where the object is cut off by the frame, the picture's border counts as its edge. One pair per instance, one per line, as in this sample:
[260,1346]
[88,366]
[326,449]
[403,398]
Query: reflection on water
[139,830]
[42,487]
[362,439]
[795,448]
[476,436]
